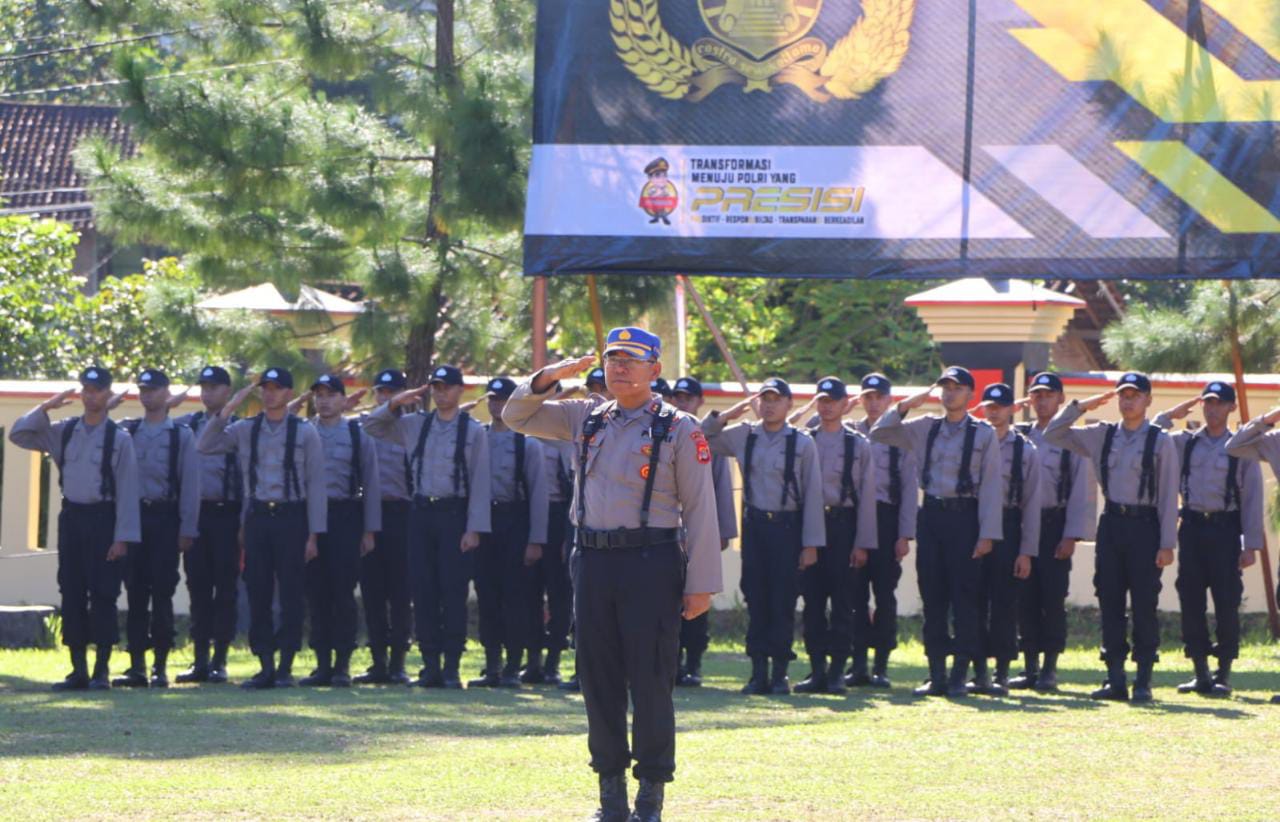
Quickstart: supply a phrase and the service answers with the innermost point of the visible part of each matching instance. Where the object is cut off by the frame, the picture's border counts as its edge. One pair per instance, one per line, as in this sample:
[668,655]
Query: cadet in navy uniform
[661,387]
[896,500]
[449,462]
[782,523]
[695,633]
[643,475]
[959,522]
[1138,468]
[354,519]
[283,465]
[1069,514]
[550,594]
[99,518]
[1010,558]
[848,483]
[169,487]
[384,571]
[519,492]
[1221,514]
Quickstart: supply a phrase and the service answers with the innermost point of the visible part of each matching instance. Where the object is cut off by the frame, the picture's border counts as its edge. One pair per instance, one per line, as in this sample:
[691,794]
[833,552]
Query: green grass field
[208,752]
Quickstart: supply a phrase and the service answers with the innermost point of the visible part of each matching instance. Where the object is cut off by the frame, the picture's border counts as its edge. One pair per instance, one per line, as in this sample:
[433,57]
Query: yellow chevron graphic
[1133,46]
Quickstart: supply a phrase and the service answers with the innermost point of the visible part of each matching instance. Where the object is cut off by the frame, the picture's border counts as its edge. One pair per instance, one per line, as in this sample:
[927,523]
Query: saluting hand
[237,400]
[858,558]
[1096,401]
[808,557]
[115,401]
[1272,416]
[59,400]
[983,548]
[850,403]
[178,399]
[408,397]
[1182,409]
[739,408]
[914,401]
[367,544]
[562,370]
[117,551]
[354,399]
[799,415]
[1022,567]
[467,406]
[299,402]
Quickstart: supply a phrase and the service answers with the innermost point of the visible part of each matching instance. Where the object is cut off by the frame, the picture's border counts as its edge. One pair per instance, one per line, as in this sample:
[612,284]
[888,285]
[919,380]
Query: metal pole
[539,322]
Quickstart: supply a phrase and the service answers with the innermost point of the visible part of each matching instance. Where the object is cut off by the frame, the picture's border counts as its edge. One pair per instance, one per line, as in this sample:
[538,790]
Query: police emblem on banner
[761,45]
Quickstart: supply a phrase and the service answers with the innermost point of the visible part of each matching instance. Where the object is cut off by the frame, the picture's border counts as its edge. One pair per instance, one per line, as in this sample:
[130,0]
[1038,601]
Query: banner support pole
[539,323]
[715,331]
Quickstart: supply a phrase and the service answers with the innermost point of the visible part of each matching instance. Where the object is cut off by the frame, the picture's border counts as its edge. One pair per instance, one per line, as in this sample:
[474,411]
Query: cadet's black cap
[331,381]
[447,374]
[777,385]
[1221,390]
[660,387]
[390,378]
[96,376]
[832,387]
[876,382]
[956,374]
[501,387]
[595,375]
[153,378]
[687,385]
[279,376]
[1134,379]
[998,394]
[214,375]
[1045,381]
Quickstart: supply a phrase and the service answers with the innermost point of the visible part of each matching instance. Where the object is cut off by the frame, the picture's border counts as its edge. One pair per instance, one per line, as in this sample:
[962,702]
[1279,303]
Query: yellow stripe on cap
[631,346]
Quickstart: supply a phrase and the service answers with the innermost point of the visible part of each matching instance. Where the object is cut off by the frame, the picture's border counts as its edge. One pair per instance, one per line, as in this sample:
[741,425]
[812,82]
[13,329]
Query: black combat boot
[1204,682]
[322,676]
[691,675]
[758,684]
[880,669]
[449,677]
[551,668]
[1047,678]
[489,677]
[265,678]
[284,671]
[956,683]
[136,676]
[78,679]
[430,676]
[377,672]
[648,802]
[1223,677]
[218,665]
[936,684]
[199,670]
[533,673]
[1030,671]
[160,669]
[779,685]
[1142,682]
[614,805]
[1116,686]
[510,675]
[101,679]
[835,676]
[981,682]
[396,674]
[816,681]
[1000,682]
[857,676]
[341,670]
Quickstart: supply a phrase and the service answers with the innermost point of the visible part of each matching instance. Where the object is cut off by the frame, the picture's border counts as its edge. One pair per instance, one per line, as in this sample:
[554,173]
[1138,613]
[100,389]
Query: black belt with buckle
[760,515]
[439,503]
[950,503]
[1211,517]
[273,508]
[619,538]
[1120,509]
[843,510]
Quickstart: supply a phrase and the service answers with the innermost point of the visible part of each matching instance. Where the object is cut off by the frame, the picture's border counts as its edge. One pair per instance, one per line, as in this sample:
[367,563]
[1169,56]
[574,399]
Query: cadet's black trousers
[152,578]
[998,594]
[439,574]
[384,580]
[88,583]
[1042,597]
[332,575]
[548,581]
[1125,571]
[213,570]
[829,580]
[275,548]
[879,576]
[770,580]
[627,605]
[1209,558]
[502,587]
[949,576]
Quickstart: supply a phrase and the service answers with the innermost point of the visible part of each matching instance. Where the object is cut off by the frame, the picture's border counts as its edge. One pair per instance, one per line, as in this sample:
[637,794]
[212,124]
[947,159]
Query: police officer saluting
[1137,466]
[213,562]
[519,520]
[643,473]
[354,518]
[783,523]
[1010,558]
[384,571]
[1221,513]
[449,463]
[959,522]
[695,633]
[283,464]
[99,518]
[169,487]
[1069,513]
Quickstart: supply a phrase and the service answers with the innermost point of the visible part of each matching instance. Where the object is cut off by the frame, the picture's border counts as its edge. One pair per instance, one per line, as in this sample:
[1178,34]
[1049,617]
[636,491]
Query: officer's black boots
[510,675]
[779,685]
[759,682]
[430,676]
[690,675]
[835,676]
[571,684]
[648,802]
[489,677]
[218,666]
[1116,686]
[880,669]
[395,668]
[322,676]
[449,677]
[101,679]
[532,673]
[551,668]
[1030,672]
[78,679]
[284,671]
[956,683]
[936,685]
[1204,682]
[160,671]
[981,682]
[1047,679]
[1142,682]
[614,806]
[857,677]
[816,681]
[377,673]
[1000,683]
[264,678]
[1223,677]
[341,670]
[199,670]
[136,676]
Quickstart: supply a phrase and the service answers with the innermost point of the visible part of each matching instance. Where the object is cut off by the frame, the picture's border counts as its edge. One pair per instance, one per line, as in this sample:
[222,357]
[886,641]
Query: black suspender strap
[1147,482]
[67,431]
[746,467]
[356,486]
[789,469]
[1064,477]
[895,475]
[108,488]
[461,477]
[255,433]
[175,479]
[1231,497]
[591,427]
[847,491]
[522,482]
[964,477]
[408,474]
[1104,468]
[926,474]
[290,463]
[1014,497]
[1186,469]
[658,431]
[419,452]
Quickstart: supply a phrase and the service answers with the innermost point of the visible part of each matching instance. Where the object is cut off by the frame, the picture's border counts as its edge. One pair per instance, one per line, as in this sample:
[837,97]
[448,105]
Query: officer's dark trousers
[627,605]
[1042,597]
[828,580]
[275,557]
[770,580]
[949,577]
[502,587]
[879,576]
[548,581]
[439,574]
[998,597]
[152,579]
[1209,558]
[384,580]
[1125,570]
[331,578]
[88,583]
[213,569]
